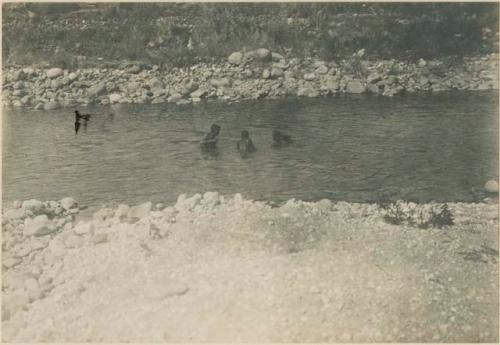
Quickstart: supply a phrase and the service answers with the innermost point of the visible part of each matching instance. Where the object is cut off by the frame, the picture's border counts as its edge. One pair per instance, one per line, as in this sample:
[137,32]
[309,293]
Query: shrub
[422,216]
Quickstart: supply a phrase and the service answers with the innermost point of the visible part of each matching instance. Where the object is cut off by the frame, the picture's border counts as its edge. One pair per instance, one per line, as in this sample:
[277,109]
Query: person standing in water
[78,117]
[281,139]
[245,144]
[210,141]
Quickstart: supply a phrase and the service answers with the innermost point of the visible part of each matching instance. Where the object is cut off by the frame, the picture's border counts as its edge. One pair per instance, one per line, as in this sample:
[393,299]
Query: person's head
[215,129]
[77,113]
[245,134]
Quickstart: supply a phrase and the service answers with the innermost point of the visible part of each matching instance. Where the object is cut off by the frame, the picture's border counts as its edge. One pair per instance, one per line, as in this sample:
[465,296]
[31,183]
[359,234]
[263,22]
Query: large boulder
[54,73]
[68,203]
[491,186]
[33,205]
[235,58]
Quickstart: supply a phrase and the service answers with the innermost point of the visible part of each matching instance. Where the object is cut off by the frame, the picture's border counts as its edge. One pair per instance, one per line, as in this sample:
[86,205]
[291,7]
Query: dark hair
[215,128]
[245,134]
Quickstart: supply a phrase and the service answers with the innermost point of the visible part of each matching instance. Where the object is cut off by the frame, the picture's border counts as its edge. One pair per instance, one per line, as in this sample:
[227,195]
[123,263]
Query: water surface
[350,147]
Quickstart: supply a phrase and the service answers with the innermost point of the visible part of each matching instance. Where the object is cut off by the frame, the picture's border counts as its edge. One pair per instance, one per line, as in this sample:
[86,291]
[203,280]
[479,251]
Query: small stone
[309,76]
[100,238]
[263,54]
[160,206]
[114,97]
[322,69]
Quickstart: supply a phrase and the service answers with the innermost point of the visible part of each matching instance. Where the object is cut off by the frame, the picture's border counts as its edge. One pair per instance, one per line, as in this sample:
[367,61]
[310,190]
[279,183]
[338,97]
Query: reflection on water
[426,147]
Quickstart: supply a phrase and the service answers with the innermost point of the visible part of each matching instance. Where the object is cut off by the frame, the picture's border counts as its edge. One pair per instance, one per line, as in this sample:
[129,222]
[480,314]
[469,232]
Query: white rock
[211,199]
[140,211]
[54,73]
[72,76]
[309,76]
[68,203]
[235,58]
[122,211]
[114,98]
[322,69]
[17,204]
[491,186]
[187,204]
[263,54]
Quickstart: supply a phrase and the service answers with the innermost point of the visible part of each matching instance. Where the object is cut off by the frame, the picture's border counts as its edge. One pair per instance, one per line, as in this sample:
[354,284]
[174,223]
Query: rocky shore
[246,75]
[215,268]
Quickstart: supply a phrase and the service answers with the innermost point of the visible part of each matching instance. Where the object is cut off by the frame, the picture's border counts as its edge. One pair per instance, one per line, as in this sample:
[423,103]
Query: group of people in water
[245,145]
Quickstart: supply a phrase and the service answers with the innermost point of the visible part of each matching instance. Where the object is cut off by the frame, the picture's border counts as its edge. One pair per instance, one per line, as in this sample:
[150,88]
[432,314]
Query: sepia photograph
[271,172]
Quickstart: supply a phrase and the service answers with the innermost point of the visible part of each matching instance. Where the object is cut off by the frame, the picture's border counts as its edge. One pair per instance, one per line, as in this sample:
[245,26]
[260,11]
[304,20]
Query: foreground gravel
[215,269]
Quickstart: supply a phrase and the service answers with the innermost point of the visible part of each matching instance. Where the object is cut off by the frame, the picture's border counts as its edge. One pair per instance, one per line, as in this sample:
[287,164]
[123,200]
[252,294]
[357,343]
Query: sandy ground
[233,270]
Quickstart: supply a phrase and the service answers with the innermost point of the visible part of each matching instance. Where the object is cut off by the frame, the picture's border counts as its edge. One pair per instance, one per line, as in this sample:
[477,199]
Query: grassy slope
[160,33]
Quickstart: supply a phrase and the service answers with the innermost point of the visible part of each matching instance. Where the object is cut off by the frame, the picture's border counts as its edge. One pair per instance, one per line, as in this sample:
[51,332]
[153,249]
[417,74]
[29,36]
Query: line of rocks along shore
[246,75]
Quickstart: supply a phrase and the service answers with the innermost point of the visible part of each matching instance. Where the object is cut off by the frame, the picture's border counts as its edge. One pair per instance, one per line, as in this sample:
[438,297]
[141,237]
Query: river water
[350,147]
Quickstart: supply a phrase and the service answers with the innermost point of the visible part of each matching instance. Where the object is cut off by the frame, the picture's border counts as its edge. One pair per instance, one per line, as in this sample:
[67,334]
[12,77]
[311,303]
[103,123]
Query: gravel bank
[227,269]
[246,75]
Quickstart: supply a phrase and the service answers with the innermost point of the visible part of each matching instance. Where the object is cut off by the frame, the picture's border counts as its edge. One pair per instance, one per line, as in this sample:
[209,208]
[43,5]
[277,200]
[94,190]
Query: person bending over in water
[210,140]
[245,144]
[78,117]
[281,139]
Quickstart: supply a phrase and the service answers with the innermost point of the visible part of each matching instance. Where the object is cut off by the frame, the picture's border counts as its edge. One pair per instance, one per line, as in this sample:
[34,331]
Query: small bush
[421,216]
